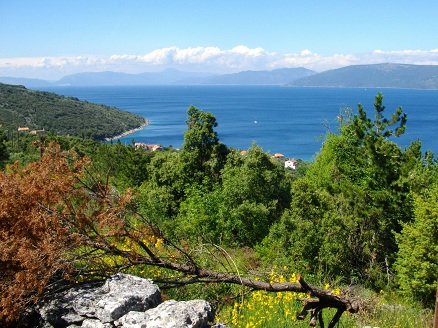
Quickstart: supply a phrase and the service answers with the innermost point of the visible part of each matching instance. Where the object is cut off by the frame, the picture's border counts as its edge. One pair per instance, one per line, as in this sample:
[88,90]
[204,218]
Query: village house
[23,129]
[278,156]
[148,147]
[291,163]
[38,131]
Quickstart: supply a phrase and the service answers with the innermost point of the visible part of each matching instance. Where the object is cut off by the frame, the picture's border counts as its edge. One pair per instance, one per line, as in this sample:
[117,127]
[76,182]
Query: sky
[49,39]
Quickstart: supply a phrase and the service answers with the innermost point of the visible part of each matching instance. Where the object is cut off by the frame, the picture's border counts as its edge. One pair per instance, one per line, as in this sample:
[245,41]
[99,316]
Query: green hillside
[37,110]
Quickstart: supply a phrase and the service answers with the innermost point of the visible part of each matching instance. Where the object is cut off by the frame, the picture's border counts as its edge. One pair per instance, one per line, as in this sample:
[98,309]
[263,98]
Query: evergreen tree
[352,199]
[202,155]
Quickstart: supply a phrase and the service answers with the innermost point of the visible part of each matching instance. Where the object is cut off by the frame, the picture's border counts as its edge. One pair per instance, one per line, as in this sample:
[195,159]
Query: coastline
[124,134]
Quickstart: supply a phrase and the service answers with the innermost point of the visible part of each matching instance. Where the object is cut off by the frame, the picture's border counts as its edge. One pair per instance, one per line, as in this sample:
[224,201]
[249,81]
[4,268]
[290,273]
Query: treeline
[37,110]
[364,212]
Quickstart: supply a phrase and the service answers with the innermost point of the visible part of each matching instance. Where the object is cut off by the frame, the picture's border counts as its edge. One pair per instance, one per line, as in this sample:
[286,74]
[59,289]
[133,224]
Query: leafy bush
[417,261]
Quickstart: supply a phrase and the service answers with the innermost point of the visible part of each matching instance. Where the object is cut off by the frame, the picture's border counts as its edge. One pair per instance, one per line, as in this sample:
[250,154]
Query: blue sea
[291,121]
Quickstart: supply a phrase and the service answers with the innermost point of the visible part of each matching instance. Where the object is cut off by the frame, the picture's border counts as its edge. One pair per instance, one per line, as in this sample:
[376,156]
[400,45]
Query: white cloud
[197,55]
[207,59]
[245,51]
[306,52]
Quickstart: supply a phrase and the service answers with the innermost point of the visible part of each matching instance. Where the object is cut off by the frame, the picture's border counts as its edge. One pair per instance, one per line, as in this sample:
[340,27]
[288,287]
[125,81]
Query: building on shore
[148,147]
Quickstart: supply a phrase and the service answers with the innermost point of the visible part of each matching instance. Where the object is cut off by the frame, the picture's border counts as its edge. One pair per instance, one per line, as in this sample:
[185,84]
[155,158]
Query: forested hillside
[360,220]
[21,107]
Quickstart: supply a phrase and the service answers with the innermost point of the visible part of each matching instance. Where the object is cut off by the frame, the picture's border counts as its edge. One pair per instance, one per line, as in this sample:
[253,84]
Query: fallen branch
[322,298]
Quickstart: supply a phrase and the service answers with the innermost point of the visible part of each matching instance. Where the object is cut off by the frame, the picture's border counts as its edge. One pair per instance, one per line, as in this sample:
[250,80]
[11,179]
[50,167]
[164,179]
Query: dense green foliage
[364,212]
[417,261]
[20,107]
[353,197]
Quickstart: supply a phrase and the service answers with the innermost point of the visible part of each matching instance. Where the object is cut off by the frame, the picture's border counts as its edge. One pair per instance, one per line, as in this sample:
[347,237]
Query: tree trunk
[435,319]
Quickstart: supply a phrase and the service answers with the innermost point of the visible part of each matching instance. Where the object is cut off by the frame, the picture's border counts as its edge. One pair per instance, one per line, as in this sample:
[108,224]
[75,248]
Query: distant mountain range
[170,77]
[356,76]
[275,77]
[400,76]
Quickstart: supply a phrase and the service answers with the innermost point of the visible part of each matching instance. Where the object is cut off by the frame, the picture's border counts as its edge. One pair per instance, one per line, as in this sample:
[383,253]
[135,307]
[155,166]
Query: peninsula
[37,110]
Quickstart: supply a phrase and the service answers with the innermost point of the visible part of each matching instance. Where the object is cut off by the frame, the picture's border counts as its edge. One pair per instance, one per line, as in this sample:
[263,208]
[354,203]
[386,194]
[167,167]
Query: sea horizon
[287,120]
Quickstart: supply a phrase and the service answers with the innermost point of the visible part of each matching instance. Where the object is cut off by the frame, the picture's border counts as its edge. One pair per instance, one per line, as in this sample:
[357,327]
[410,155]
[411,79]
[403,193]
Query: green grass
[389,310]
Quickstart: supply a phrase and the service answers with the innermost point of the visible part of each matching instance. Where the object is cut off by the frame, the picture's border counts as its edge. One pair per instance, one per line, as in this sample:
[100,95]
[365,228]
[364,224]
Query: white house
[291,163]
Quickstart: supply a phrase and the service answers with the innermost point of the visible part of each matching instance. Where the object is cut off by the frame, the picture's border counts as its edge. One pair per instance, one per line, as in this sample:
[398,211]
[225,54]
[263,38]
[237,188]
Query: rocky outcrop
[122,301]
[171,314]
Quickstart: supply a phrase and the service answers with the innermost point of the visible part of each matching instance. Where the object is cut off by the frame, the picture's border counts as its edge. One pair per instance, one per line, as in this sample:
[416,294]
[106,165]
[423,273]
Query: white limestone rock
[171,314]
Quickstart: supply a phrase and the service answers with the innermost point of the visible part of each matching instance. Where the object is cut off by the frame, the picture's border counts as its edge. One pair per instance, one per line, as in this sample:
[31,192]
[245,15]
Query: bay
[290,121]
